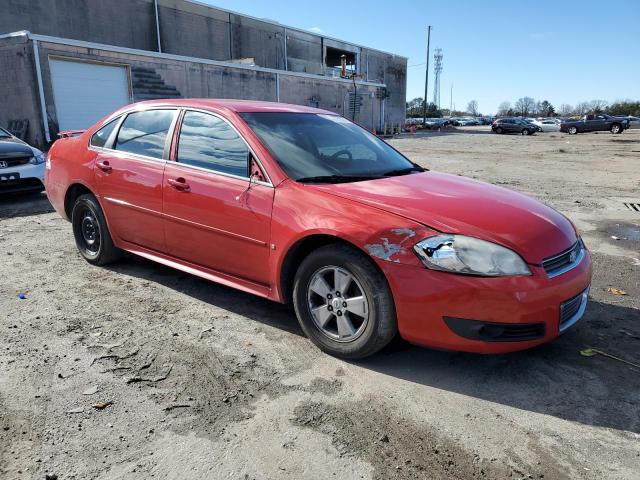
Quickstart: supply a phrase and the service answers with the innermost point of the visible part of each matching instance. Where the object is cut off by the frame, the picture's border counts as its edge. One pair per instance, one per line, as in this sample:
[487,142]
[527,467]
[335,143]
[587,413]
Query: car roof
[238,106]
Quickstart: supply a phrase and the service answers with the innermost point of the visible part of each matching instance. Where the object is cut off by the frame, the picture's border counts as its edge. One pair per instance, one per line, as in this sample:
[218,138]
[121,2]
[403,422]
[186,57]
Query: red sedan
[299,205]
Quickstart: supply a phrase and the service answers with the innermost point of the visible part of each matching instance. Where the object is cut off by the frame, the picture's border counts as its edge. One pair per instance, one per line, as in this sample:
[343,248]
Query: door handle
[104,166]
[179,184]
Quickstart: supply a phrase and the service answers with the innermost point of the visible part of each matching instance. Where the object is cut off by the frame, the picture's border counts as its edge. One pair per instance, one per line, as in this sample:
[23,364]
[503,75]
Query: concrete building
[64,65]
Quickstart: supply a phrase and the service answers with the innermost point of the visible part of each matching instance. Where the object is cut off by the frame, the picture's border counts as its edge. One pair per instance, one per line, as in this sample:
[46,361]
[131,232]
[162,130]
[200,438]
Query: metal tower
[437,70]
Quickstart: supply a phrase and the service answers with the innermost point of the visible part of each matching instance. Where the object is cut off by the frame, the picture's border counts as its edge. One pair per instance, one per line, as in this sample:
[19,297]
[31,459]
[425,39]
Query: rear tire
[91,232]
[343,302]
[616,128]
[572,130]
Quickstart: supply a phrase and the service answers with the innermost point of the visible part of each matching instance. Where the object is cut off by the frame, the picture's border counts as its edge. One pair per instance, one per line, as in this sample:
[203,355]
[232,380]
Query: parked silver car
[21,165]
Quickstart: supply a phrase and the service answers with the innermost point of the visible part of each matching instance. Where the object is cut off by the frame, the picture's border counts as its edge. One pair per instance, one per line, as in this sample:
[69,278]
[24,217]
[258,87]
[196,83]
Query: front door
[214,216]
[129,172]
[591,123]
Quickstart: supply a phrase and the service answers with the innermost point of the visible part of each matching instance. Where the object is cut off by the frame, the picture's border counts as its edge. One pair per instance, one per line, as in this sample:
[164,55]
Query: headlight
[468,255]
[38,159]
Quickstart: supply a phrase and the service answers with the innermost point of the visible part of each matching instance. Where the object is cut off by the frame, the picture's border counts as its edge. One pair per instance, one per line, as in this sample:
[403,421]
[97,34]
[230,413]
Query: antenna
[437,70]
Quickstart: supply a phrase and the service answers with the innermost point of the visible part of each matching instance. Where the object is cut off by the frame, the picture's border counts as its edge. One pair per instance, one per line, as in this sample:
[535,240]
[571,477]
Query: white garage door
[86,92]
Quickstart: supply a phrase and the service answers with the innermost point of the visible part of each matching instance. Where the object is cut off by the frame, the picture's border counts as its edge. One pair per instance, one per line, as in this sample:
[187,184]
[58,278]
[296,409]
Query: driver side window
[207,141]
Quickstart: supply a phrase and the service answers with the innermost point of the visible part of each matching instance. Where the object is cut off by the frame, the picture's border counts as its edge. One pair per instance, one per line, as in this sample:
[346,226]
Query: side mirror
[255,175]
[255,172]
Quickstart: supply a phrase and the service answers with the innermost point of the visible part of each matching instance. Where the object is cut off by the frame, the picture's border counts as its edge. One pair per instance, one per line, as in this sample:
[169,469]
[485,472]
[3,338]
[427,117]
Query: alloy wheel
[338,305]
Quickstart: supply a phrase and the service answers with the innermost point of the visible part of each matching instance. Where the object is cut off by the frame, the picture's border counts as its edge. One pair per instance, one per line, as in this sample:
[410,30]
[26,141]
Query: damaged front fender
[396,244]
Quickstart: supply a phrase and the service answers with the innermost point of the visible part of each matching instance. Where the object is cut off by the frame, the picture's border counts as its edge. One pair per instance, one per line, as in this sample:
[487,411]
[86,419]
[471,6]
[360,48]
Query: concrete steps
[149,85]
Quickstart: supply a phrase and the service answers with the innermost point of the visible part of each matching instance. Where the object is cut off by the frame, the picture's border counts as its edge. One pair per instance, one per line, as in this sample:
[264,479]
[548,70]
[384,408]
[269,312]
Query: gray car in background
[514,125]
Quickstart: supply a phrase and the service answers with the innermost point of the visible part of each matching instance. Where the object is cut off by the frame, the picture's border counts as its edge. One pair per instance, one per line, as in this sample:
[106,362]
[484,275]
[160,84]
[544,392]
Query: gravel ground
[138,371]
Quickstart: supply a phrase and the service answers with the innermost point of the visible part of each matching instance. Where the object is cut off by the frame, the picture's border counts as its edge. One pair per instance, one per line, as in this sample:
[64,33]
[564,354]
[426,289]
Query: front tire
[343,302]
[616,128]
[91,232]
[526,132]
[499,130]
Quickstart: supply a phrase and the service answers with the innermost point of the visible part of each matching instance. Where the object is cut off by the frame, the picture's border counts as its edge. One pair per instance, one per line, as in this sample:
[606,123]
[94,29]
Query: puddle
[627,234]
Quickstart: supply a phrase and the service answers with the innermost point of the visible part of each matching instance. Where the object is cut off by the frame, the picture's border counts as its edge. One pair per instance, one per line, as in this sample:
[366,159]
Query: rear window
[145,133]
[99,139]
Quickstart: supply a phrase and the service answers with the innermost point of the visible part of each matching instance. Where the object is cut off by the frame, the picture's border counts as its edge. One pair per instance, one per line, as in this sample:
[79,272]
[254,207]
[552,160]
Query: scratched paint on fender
[388,249]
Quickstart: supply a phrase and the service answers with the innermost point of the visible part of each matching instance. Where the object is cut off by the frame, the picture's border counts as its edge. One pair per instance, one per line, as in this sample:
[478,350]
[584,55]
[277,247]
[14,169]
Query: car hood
[14,148]
[454,204]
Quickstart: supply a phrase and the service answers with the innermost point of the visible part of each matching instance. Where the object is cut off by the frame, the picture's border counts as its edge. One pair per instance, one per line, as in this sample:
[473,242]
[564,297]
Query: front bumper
[31,178]
[529,307]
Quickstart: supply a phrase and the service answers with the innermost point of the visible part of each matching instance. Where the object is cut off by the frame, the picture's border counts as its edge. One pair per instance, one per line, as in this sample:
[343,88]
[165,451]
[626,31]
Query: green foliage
[626,107]
[415,109]
[546,109]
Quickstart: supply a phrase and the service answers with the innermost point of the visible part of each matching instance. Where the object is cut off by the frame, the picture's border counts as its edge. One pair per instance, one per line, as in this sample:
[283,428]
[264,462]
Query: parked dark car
[514,125]
[435,123]
[595,123]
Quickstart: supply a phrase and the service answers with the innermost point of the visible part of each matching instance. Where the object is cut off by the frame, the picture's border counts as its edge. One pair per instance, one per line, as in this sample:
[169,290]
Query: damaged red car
[300,205]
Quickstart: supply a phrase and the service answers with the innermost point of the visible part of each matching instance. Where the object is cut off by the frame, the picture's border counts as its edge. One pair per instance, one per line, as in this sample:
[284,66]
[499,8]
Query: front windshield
[310,146]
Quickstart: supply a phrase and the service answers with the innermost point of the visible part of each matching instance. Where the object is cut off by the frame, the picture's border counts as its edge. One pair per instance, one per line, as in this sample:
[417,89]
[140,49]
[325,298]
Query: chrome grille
[564,261]
[14,162]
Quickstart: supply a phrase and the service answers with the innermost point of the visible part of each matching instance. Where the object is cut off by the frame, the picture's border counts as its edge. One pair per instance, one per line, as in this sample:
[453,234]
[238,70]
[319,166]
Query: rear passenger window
[99,139]
[145,133]
[209,142]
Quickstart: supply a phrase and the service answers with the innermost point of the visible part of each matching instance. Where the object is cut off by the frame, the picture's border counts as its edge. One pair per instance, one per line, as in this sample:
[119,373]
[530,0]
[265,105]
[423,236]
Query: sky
[494,51]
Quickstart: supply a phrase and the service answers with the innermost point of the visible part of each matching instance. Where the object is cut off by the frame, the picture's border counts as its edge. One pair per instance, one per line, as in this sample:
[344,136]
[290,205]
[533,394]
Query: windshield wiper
[336,178]
[403,171]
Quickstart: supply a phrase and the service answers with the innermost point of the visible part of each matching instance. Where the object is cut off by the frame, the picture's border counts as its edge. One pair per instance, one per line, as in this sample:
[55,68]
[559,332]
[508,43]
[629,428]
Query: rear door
[129,171]
[214,216]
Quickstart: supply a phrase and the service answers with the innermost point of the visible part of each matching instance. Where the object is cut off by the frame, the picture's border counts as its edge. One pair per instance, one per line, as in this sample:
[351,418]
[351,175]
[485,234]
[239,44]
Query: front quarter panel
[301,211]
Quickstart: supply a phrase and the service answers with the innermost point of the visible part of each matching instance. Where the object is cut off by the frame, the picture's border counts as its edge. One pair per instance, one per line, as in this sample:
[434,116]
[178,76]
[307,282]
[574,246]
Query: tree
[472,108]
[546,109]
[626,107]
[598,106]
[524,106]
[582,108]
[504,108]
[414,107]
[537,108]
[432,110]
[565,109]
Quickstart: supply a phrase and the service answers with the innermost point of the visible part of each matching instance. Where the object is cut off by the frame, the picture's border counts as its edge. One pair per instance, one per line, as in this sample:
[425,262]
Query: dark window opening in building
[333,60]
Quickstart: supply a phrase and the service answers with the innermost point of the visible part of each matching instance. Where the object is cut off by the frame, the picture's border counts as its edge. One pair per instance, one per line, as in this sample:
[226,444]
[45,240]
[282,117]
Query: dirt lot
[206,382]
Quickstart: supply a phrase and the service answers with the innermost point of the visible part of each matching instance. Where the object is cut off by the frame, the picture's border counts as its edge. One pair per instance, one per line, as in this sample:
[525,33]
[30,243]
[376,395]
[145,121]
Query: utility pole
[451,102]
[426,80]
